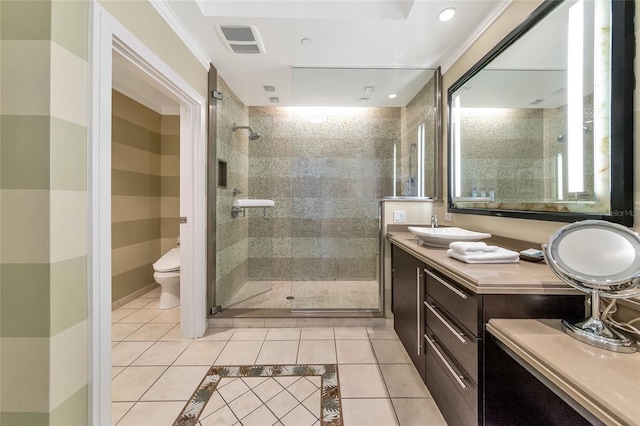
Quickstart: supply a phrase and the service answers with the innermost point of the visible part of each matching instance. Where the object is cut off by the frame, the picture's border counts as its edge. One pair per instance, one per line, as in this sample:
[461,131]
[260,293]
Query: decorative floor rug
[286,392]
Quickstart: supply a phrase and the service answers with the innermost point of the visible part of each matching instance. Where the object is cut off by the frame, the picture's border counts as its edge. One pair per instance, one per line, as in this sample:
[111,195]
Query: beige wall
[145,177]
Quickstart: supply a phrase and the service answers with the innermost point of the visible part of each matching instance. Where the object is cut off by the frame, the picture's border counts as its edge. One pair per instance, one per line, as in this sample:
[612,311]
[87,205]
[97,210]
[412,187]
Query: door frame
[106,36]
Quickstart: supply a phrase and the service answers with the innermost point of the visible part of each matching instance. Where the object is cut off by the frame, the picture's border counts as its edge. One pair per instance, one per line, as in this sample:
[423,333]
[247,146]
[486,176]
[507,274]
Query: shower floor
[307,295]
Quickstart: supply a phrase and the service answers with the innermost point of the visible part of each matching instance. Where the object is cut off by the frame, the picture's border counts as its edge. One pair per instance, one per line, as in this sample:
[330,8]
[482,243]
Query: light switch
[399,216]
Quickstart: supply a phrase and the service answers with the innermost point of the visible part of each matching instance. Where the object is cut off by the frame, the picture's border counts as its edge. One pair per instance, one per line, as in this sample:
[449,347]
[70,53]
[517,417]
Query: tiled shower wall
[145,192]
[232,261]
[325,168]
[502,151]
[421,110]
[513,152]
[43,213]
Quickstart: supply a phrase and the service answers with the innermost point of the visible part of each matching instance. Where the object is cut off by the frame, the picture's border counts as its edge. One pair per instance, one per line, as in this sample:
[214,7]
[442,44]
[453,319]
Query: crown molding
[165,11]
[450,58]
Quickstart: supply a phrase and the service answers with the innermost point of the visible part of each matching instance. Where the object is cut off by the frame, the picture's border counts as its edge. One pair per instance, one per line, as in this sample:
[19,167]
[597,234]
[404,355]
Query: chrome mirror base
[596,332]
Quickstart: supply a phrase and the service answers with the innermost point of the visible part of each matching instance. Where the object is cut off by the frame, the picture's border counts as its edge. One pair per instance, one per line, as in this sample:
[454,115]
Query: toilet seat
[170,262]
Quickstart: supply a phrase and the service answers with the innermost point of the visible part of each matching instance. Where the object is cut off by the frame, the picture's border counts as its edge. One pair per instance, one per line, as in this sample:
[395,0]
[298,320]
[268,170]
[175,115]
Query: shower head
[252,135]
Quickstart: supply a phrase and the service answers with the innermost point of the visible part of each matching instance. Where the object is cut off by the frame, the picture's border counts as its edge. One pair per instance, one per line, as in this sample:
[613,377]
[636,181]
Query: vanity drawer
[460,303]
[444,368]
[457,340]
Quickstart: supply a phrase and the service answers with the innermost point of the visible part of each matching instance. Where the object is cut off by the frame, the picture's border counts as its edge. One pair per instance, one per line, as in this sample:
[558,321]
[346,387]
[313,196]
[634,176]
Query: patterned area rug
[329,412]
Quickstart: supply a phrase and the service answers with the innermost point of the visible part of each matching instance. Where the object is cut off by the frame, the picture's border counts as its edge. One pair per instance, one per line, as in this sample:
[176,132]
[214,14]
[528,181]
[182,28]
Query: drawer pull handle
[446,284]
[418,298]
[452,329]
[459,377]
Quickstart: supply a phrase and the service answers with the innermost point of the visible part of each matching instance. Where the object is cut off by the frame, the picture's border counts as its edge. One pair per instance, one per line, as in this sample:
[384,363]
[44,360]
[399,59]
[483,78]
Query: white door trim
[106,36]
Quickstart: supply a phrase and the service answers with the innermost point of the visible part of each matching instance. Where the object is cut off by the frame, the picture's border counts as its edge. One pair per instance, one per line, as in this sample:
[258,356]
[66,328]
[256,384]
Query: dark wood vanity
[441,307]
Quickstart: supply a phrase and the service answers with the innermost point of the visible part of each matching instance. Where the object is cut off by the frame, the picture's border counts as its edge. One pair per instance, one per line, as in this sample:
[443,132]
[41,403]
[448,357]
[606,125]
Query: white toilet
[167,274]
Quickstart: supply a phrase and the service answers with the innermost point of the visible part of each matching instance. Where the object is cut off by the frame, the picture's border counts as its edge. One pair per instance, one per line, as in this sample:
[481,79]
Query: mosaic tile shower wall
[232,234]
[421,110]
[502,152]
[325,168]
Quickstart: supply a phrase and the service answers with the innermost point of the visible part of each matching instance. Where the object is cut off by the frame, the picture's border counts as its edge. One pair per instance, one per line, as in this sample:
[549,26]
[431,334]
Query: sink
[441,237]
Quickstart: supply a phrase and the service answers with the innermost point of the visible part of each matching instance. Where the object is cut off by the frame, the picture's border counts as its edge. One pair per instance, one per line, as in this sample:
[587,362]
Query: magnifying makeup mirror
[603,259]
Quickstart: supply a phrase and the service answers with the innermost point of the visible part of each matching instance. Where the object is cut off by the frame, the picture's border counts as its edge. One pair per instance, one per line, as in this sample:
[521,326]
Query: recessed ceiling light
[363,100]
[269,88]
[393,96]
[368,88]
[274,99]
[306,42]
[447,14]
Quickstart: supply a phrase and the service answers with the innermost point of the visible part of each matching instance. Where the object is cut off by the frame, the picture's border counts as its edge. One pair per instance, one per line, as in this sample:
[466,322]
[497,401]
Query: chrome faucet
[434,221]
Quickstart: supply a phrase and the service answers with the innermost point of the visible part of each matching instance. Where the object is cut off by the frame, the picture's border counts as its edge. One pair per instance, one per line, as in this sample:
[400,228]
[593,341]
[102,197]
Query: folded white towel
[466,247]
[498,256]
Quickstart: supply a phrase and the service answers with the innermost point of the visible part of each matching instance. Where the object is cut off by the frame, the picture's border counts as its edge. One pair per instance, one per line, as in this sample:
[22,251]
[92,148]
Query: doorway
[111,38]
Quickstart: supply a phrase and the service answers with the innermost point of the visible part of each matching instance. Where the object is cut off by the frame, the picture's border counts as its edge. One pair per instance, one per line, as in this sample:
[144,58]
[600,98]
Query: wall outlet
[448,217]
[399,216]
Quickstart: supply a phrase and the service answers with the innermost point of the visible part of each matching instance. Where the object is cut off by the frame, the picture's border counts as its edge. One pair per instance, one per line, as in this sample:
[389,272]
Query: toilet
[167,274]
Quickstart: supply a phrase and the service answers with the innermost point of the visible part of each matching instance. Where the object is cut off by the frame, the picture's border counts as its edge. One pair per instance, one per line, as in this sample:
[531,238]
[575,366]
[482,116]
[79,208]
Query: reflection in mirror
[532,127]
[412,165]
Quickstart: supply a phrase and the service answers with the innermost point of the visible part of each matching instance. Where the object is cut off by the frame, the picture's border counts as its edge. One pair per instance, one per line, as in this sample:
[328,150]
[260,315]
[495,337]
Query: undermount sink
[442,237]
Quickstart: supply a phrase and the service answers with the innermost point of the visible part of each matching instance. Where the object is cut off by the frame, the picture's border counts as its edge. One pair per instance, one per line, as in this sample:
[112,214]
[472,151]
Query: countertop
[605,383]
[514,278]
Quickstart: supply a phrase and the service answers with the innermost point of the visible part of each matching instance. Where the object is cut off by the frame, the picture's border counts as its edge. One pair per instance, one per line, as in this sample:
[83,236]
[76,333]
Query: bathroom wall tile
[68,297]
[23,62]
[24,152]
[69,100]
[69,357]
[270,268]
[24,300]
[25,226]
[25,361]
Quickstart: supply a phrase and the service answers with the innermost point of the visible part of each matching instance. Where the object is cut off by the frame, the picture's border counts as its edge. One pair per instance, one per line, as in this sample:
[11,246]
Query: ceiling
[375,36]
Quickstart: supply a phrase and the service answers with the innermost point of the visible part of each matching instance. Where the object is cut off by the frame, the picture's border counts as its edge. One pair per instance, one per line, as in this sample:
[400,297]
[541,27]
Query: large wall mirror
[542,126]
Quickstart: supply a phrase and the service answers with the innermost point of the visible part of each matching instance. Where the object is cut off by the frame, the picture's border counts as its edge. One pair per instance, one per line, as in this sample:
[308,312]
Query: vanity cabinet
[455,340]
[452,319]
[407,299]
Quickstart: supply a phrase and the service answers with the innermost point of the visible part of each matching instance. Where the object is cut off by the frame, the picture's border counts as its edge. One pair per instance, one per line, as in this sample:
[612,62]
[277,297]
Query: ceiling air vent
[241,38]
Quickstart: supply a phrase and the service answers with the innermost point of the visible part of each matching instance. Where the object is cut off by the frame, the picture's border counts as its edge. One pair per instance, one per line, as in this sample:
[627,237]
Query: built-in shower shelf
[241,204]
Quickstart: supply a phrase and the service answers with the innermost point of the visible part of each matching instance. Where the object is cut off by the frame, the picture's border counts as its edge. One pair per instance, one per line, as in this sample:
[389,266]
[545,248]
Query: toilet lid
[169,262]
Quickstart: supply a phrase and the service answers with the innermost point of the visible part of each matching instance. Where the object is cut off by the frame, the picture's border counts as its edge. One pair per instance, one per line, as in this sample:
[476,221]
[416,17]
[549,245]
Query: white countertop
[605,383]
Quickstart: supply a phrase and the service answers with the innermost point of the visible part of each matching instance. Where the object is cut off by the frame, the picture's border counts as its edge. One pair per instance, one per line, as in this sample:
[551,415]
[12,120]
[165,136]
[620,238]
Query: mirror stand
[596,332]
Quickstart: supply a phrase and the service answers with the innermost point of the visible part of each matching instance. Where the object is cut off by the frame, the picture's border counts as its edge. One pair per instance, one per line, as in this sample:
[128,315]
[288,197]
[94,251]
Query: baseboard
[121,302]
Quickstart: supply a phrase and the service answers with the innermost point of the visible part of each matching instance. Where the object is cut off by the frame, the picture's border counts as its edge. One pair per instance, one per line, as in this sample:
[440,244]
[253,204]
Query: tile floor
[155,372]
[307,295]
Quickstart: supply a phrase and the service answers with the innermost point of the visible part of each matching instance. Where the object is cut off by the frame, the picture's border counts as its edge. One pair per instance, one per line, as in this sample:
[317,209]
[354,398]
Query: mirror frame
[621,139]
